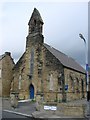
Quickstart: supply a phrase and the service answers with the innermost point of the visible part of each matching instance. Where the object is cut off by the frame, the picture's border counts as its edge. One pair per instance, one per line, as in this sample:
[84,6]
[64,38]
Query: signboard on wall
[50,107]
[66,87]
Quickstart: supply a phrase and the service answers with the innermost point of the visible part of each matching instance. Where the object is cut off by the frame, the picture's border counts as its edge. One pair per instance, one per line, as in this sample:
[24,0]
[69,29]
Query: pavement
[0,108]
[25,108]
[28,109]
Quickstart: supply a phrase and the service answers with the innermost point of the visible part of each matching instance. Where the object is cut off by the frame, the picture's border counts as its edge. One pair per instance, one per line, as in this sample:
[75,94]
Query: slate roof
[65,60]
[2,56]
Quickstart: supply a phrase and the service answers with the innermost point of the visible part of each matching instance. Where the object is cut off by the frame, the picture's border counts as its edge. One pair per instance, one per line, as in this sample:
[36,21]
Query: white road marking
[18,113]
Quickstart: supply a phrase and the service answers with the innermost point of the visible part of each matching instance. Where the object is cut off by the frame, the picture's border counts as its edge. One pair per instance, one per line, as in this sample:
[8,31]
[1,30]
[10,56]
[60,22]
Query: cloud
[62,24]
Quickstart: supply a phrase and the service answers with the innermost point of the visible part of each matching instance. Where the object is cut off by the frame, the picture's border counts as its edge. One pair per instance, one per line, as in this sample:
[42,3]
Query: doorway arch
[31,91]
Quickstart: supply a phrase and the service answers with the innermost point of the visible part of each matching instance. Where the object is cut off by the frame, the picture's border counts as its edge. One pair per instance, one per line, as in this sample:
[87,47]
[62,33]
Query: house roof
[65,60]
[2,56]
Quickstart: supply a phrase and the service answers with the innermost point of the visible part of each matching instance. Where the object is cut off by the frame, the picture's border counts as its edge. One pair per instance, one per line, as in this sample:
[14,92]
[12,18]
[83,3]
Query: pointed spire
[35,22]
[36,15]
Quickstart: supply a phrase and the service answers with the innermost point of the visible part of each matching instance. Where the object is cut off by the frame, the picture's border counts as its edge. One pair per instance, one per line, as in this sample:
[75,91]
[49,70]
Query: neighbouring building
[45,73]
[6,65]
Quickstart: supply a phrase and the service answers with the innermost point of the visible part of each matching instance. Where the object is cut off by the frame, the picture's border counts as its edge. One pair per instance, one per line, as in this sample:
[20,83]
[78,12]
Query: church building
[45,73]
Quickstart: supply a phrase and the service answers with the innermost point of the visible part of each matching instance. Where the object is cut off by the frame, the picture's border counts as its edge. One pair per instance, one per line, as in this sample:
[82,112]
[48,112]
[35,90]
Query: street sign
[87,67]
[46,107]
[50,108]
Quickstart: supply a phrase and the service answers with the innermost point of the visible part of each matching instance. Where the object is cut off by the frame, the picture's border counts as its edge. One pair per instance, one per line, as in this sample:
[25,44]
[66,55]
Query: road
[13,115]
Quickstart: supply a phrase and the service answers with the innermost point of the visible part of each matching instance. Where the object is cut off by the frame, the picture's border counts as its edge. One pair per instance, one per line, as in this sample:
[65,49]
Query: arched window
[19,86]
[33,26]
[60,79]
[51,82]
[34,22]
[82,85]
[32,62]
[72,84]
[77,85]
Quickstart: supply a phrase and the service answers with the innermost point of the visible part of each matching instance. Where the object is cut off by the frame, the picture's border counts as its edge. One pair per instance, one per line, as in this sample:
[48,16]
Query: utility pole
[87,75]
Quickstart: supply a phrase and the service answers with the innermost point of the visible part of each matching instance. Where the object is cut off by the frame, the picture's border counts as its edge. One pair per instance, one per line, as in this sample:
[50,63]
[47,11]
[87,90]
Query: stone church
[45,73]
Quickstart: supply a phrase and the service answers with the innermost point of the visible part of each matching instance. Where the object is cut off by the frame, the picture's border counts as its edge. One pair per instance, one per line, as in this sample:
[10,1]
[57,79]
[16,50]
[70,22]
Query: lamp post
[87,75]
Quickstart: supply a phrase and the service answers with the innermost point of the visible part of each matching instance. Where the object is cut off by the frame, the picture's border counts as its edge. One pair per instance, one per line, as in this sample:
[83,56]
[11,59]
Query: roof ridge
[65,59]
[2,56]
[60,52]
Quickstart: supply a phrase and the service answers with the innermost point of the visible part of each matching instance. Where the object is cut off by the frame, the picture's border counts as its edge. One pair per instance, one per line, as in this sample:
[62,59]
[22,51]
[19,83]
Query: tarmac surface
[28,109]
[0,108]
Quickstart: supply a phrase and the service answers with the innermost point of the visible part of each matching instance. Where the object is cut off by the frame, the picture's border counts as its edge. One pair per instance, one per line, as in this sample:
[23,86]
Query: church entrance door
[31,89]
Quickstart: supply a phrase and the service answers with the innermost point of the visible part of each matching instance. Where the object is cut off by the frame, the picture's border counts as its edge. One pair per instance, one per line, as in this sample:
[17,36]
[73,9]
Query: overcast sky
[63,21]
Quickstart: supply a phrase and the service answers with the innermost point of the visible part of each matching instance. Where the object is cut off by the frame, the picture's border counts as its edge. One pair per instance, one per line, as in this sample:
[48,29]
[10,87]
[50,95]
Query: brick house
[6,65]
[45,73]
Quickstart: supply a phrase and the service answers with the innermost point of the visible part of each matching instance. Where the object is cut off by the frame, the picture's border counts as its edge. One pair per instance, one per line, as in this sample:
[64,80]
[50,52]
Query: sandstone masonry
[6,65]
[44,73]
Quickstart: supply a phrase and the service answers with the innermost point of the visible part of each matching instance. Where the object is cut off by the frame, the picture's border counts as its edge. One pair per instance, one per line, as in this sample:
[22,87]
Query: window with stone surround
[72,84]
[77,85]
[51,82]
[60,79]
[19,86]
[32,62]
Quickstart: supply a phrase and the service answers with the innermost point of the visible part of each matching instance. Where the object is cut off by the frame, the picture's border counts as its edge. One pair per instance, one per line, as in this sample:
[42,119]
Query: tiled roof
[65,60]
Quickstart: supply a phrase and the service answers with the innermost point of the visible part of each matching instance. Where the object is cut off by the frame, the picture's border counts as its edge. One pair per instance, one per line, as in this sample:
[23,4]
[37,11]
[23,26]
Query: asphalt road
[12,115]
[7,115]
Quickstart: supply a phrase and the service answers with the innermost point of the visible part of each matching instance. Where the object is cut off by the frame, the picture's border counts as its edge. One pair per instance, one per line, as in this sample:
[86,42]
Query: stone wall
[7,64]
[44,78]
[48,76]
[20,78]
[71,109]
[51,72]
[0,77]
[74,80]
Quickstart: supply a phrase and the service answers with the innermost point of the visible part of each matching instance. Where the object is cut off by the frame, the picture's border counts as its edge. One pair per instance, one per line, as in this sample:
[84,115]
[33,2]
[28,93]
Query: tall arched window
[72,84]
[32,62]
[51,82]
[82,89]
[77,85]
[19,85]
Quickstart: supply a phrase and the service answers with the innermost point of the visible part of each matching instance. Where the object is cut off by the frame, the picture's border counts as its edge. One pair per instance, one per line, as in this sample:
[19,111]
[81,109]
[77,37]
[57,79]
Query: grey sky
[62,24]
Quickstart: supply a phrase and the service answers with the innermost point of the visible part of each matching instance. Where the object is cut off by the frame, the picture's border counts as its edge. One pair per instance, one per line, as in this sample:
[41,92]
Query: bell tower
[35,29]
[35,22]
